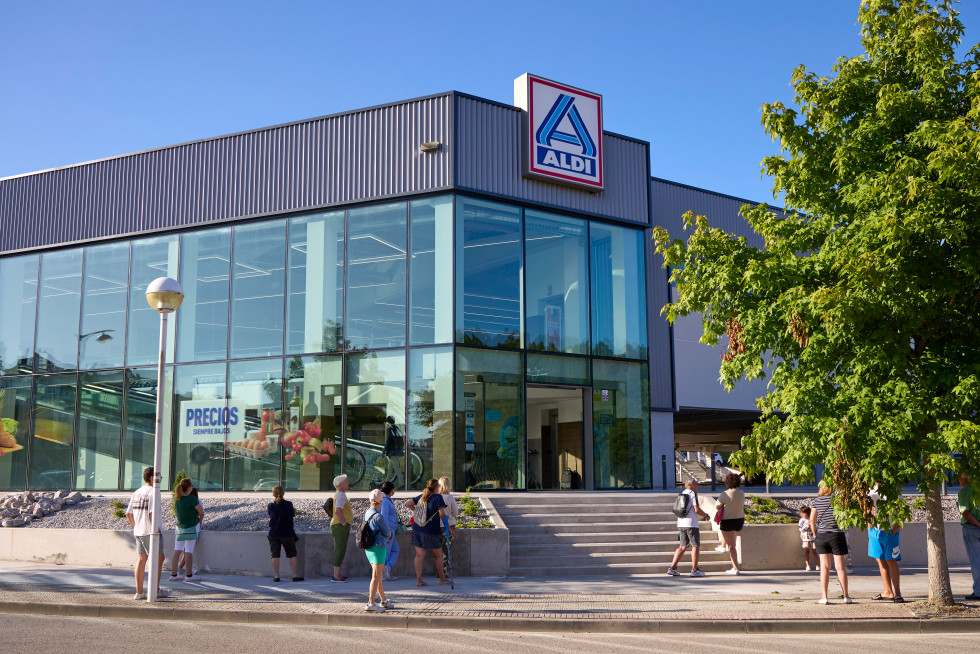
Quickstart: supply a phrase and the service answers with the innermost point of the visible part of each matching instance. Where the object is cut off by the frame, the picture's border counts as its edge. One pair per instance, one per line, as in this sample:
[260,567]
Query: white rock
[69,502]
[76,497]
[14,522]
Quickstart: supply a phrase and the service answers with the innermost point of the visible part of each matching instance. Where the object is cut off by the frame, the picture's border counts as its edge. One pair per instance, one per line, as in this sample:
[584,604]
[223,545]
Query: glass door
[556,438]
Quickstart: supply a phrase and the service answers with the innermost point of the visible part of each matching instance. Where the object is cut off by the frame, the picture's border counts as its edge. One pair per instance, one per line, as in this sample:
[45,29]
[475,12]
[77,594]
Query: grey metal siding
[671,201]
[357,156]
[488,148]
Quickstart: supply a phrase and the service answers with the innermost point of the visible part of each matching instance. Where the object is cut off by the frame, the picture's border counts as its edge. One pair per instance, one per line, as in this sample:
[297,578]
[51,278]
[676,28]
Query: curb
[890,626]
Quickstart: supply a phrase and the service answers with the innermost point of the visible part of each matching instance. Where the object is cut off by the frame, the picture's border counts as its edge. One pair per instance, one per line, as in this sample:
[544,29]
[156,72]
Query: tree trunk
[940,590]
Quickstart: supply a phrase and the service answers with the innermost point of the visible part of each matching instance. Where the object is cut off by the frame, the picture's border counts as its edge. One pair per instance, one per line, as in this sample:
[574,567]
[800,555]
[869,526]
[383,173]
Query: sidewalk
[759,601]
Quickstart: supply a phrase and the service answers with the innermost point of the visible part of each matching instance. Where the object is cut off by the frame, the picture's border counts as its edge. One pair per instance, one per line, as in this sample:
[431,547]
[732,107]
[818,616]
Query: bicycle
[385,470]
[354,465]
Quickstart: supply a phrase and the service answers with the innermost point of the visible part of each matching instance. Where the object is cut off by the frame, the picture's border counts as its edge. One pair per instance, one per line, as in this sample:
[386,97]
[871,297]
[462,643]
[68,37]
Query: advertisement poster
[211,421]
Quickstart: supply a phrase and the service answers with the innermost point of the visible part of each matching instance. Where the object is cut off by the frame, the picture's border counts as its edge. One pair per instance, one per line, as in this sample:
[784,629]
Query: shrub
[471,506]
[118,505]
[119,513]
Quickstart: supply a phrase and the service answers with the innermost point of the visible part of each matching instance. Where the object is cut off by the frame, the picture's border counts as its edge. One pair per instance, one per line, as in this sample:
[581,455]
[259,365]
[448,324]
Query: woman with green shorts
[376,555]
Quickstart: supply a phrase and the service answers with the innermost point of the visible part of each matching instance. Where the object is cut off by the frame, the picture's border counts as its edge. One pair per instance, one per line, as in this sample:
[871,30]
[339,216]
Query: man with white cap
[340,523]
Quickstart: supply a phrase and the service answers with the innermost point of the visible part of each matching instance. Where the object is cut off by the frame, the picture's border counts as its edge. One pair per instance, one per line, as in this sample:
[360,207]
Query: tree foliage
[862,306]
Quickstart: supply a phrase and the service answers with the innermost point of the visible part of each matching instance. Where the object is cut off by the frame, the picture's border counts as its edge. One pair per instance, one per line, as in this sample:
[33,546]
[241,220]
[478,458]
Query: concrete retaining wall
[476,552]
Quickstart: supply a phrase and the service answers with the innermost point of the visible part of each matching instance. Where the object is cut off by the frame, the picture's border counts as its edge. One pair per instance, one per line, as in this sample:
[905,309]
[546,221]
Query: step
[606,559]
[590,528]
[526,537]
[571,549]
[711,567]
[592,509]
[590,518]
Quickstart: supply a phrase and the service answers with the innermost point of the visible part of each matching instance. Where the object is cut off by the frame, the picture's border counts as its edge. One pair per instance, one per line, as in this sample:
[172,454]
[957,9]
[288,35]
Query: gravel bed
[238,514]
[918,515]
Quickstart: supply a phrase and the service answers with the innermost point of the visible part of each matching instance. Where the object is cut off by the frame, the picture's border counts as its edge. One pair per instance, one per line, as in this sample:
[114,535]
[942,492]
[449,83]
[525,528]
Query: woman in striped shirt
[831,542]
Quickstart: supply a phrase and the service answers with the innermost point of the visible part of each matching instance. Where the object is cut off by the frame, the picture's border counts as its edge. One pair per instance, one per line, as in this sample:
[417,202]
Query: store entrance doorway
[559,434]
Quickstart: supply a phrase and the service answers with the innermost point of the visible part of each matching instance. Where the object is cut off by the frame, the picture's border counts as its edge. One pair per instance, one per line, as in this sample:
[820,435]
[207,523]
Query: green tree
[862,306]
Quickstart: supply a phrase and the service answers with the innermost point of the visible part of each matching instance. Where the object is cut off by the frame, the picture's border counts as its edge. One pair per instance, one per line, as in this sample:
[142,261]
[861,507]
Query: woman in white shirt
[452,512]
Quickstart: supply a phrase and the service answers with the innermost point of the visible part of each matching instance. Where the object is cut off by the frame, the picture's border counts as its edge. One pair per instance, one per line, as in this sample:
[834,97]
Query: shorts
[184,545]
[143,545]
[376,555]
[884,545]
[426,541]
[832,542]
[735,524]
[690,536]
[809,545]
[287,543]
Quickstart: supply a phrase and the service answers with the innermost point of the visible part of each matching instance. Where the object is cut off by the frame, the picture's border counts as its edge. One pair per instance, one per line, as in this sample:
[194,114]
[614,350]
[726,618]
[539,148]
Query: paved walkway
[759,597]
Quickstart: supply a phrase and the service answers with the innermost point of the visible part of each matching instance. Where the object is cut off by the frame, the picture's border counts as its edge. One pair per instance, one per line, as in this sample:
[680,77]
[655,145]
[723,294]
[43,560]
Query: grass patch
[118,505]
[119,513]
[470,505]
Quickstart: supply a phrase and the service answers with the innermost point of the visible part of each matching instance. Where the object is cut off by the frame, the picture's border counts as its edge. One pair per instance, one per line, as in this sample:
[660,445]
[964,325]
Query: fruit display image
[8,441]
[261,442]
[305,444]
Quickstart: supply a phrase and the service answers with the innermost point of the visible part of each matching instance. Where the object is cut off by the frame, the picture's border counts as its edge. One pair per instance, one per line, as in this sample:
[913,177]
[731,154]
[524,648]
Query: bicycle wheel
[417,468]
[354,466]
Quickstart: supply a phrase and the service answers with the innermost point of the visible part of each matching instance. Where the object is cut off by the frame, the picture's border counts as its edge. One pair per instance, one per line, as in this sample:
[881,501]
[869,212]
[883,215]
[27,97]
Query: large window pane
[376,276]
[253,464]
[151,258]
[57,312]
[619,325]
[551,369]
[313,391]
[104,291]
[315,310]
[557,283]
[258,289]
[139,440]
[488,268]
[18,288]
[431,293]
[490,399]
[54,423]
[375,392]
[430,414]
[200,457]
[97,437]
[205,258]
[621,424]
[15,431]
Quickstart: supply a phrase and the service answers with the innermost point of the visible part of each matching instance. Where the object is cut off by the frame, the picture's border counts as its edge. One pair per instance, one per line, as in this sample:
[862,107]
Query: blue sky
[84,80]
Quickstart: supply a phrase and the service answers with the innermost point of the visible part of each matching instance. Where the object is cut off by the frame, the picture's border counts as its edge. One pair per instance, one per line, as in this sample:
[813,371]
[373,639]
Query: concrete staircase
[608,533]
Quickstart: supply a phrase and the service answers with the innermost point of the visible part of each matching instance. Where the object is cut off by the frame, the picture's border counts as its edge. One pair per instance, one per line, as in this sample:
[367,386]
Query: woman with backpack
[430,509]
[380,535]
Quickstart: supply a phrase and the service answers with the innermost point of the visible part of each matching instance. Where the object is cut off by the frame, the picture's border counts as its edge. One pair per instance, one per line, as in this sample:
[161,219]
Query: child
[809,542]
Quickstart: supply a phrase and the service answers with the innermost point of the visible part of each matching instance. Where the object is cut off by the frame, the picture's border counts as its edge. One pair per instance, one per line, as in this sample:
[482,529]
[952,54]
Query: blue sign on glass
[492,415]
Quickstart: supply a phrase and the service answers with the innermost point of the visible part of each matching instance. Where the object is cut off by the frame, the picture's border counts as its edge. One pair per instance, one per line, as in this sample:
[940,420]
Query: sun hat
[338,480]
[376,496]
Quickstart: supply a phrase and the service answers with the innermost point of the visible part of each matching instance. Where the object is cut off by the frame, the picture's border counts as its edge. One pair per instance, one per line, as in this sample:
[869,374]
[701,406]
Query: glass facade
[391,341]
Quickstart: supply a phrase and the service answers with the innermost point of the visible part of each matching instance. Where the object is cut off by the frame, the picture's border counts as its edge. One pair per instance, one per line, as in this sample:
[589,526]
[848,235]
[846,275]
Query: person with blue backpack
[373,537]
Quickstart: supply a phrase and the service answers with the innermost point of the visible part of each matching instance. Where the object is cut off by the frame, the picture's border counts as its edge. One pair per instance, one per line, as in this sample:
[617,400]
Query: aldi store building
[443,286]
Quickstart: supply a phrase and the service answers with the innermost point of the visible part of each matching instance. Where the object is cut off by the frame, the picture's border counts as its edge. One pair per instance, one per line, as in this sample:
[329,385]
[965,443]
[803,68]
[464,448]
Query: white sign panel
[211,421]
[562,132]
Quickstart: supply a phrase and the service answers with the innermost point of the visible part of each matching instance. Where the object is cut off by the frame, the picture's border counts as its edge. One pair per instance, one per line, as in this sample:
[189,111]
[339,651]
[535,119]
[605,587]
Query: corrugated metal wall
[671,201]
[489,160]
[373,153]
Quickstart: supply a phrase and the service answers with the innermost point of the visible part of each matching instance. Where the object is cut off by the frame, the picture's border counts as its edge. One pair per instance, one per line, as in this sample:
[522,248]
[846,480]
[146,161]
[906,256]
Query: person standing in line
[969,508]
[732,505]
[189,514]
[383,533]
[452,512]
[427,530]
[809,542]
[282,535]
[145,524]
[689,532]
[340,522]
[180,564]
[831,542]
[390,513]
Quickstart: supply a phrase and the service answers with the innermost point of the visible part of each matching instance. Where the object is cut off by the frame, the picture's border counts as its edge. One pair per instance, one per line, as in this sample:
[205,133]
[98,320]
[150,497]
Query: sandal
[899,599]
[879,597]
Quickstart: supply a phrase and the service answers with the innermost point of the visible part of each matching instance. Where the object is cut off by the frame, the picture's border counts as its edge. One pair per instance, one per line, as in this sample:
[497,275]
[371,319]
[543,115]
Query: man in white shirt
[144,525]
[689,532]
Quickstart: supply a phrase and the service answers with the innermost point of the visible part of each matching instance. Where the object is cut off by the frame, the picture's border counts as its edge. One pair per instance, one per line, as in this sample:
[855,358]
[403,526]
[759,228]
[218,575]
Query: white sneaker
[139,596]
[807,568]
[697,573]
[163,592]
[817,568]
[721,548]
[848,600]
[177,577]
[374,608]
[387,604]
[193,578]
[733,571]
[673,573]
[823,600]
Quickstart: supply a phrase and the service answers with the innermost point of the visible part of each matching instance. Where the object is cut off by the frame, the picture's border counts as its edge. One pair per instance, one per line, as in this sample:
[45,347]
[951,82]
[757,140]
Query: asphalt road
[43,634]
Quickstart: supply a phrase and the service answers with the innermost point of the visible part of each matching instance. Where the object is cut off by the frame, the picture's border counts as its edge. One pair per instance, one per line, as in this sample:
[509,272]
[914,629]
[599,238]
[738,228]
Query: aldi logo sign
[562,132]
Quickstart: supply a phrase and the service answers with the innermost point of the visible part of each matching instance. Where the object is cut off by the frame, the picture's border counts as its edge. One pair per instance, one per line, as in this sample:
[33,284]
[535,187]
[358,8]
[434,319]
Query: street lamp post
[164,295]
